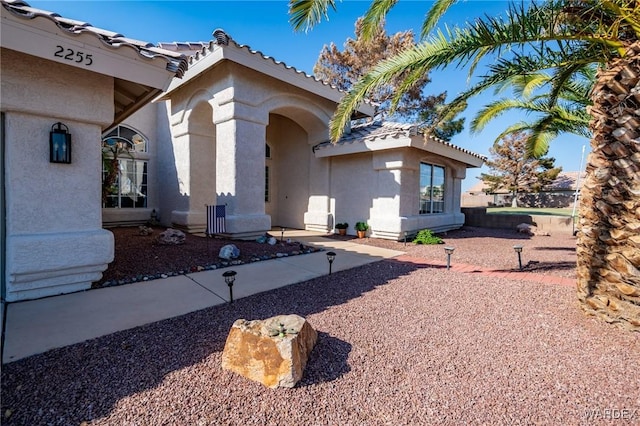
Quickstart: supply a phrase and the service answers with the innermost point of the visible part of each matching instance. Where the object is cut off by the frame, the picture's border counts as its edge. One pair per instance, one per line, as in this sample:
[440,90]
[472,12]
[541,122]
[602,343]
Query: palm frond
[305,14]
[436,12]
[375,16]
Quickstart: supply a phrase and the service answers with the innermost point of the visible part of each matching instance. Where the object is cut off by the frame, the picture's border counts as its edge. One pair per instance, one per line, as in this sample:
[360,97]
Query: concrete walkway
[37,326]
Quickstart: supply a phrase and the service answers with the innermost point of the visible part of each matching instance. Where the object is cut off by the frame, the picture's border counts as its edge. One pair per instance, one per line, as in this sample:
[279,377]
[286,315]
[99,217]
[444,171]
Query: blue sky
[264,26]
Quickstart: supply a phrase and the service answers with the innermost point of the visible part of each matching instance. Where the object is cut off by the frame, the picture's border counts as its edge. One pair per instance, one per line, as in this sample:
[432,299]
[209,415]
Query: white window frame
[434,206]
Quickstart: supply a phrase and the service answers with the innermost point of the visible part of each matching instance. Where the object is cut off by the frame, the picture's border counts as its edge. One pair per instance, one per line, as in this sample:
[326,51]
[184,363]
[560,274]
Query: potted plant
[361,229]
[342,228]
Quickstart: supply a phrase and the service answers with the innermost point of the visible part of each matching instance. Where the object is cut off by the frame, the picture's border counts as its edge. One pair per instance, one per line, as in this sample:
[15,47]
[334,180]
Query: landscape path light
[229,278]
[331,256]
[518,250]
[282,235]
[405,237]
[449,251]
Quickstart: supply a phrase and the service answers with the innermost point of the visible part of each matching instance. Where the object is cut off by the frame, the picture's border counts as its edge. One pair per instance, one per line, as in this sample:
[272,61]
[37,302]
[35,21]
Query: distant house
[560,193]
[228,126]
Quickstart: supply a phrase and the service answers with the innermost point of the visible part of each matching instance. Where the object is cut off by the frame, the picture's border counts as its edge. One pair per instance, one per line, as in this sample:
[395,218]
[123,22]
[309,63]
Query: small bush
[425,236]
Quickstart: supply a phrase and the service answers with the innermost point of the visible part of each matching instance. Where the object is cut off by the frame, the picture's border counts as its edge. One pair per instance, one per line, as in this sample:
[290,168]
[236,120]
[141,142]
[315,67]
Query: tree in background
[513,169]
[343,68]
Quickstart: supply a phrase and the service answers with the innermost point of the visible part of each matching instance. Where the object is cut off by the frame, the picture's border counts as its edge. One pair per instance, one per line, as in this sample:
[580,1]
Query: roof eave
[446,149]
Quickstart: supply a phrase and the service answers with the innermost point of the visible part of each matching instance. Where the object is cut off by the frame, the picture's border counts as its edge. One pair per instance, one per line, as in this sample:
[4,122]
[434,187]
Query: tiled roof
[199,50]
[386,130]
[176,62]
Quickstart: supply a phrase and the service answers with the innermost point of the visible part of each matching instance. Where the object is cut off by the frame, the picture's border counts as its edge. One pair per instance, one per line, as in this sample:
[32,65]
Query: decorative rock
[272,241]
[525,228]
[145,230]
[171,237]
[273,352]
[230,251]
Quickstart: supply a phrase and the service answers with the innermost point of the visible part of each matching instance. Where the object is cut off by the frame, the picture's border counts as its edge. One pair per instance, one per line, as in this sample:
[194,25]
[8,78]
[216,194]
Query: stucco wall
[55,240]
[241,101]
[382,189]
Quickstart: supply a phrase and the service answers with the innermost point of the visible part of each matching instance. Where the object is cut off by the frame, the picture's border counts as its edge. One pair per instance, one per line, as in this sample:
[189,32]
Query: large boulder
[273,352]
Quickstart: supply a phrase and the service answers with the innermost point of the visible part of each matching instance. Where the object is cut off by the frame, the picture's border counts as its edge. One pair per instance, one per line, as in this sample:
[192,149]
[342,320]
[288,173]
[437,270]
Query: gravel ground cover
[140,257]
[493,249]
[398,345]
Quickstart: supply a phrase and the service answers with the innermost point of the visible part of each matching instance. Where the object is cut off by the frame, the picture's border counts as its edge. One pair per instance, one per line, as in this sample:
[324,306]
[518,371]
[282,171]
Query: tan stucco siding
[37,86]
[55,240]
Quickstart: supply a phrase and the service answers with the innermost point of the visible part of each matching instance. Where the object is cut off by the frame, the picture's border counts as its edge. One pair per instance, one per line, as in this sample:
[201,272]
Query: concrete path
[37,326]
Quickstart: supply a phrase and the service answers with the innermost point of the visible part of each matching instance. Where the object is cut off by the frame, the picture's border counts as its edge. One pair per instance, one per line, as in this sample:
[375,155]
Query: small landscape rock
[230,251]
[171,237]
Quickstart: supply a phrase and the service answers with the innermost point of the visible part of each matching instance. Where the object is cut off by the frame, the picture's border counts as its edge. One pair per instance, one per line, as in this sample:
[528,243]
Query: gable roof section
[378,136]
[141,70]
[204,55]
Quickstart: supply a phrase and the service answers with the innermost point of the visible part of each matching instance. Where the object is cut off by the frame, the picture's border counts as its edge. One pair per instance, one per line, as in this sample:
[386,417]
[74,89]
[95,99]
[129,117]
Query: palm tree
[563,37]
[567,115]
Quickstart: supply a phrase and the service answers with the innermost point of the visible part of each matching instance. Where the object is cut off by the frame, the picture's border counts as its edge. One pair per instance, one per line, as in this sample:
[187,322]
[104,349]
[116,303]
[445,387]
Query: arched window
[124,169]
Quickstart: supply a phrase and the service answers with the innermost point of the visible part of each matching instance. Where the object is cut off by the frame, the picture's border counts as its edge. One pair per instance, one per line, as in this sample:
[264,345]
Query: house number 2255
[73,55]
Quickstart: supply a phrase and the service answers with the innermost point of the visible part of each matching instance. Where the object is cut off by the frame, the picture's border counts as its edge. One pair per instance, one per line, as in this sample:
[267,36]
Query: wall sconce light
[518,250]
[229,278]
[330,257]
[59,144]
[449,251]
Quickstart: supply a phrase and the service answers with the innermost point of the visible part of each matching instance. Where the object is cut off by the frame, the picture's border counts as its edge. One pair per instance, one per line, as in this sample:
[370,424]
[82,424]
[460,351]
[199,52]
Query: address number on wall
[73,55]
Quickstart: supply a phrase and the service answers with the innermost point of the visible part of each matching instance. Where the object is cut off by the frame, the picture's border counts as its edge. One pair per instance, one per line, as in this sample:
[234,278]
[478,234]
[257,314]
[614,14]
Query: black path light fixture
[449,250]
[405,237]
[331,256]
[229,278]
[518,250]
[282,234]
[59,144]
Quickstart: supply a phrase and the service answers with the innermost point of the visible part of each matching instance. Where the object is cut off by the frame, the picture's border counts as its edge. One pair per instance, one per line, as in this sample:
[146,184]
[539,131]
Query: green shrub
[361,226]
[425,236]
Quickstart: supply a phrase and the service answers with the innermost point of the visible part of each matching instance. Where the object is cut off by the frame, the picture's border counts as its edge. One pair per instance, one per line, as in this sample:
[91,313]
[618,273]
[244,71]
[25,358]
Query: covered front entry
[286,172]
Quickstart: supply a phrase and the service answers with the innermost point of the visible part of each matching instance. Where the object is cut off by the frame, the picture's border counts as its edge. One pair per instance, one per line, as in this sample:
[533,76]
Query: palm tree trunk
[608,247]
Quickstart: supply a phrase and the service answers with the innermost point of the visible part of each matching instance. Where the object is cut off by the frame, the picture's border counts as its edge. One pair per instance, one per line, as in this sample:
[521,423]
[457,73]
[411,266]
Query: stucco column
[240,170]
[194,152]
[453,205]
[55,241]
[318,216]
[392,193]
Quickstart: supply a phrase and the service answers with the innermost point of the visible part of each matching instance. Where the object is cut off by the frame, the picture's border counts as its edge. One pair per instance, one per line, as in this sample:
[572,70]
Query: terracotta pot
[342,231]
[362,234]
